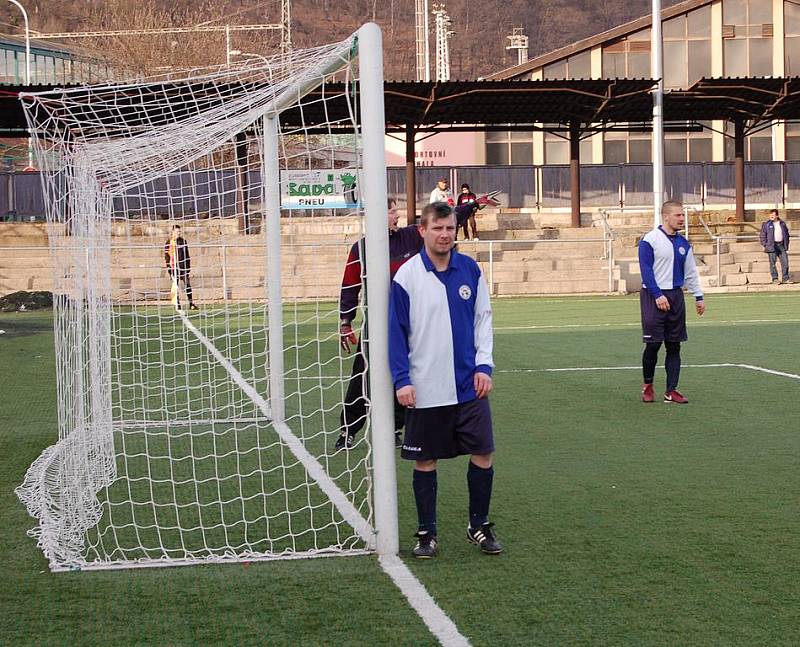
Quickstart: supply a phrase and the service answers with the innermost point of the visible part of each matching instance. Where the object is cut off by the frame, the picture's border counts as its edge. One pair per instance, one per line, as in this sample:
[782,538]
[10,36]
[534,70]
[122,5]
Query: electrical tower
[286,26]
[443,35]
[422,49]
[519,42]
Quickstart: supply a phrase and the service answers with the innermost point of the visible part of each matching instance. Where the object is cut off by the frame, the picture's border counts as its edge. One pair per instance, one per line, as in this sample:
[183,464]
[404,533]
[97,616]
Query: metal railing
[604,186]
[608,237]
[717,239]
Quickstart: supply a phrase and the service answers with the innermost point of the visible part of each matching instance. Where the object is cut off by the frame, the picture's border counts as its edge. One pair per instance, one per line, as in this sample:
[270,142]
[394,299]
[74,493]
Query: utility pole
[657,73]
[422,49]
[286,26]
[519,42]
[27,67]
[443,35]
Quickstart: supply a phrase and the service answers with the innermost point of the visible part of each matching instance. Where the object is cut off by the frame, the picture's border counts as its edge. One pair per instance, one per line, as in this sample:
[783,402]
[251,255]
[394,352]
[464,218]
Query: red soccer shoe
[647,393]
[675,397]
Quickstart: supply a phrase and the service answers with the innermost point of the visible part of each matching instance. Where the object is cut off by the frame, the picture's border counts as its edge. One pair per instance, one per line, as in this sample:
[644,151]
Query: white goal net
[196,304]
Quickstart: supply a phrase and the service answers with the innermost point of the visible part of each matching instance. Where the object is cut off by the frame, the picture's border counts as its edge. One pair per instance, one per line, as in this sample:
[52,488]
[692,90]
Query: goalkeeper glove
[347,337]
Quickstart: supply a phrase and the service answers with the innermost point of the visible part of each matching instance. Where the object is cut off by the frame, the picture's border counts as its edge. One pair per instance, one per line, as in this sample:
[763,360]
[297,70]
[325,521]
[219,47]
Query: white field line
[421,601]
[418,597]
[769,370]
[635,297]
[632,324]
[574,369]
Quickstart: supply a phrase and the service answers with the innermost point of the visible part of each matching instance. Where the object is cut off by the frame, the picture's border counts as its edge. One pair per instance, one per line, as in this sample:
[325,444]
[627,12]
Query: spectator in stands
[667,264]
[403,244]
[441,192]
[466,208]
[176,256]
[775,240]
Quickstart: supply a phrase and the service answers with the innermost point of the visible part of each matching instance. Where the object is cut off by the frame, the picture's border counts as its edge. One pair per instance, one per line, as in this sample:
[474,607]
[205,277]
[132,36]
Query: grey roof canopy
[471,105]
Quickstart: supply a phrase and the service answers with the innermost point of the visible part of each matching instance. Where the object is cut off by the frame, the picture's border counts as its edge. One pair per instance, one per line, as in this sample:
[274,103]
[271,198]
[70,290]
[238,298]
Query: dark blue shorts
[445,432]
[657,325]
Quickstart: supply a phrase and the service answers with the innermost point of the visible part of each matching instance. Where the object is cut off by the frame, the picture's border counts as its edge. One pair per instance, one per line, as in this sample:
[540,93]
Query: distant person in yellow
[176,256]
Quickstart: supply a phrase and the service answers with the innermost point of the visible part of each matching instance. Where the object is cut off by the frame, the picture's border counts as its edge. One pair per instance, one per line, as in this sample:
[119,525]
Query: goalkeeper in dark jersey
[404,243]
[179,264]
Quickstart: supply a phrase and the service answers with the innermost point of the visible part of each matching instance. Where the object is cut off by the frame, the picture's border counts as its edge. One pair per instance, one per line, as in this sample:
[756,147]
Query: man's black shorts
[658,325]
[445,432]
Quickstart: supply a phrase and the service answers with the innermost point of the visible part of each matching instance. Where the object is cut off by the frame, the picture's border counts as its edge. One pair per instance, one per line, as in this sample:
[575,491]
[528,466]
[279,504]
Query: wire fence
[228,192]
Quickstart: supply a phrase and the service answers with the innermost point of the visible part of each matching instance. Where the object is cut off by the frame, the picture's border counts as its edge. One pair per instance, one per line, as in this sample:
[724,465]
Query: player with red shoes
[667,265]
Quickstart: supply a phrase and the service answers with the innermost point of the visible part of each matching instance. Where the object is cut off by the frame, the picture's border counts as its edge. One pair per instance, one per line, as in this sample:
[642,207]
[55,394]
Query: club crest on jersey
[682,251]
[464,292]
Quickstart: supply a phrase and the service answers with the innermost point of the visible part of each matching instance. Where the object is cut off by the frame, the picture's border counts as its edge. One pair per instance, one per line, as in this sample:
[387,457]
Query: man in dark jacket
[775,240]
[404,243]
[176,256]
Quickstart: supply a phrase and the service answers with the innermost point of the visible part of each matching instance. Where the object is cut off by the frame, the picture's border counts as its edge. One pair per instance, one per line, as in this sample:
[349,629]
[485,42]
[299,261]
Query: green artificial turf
[624,523]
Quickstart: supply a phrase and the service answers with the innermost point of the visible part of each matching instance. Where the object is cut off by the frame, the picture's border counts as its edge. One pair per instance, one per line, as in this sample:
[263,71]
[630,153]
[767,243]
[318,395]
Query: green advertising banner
[320,189]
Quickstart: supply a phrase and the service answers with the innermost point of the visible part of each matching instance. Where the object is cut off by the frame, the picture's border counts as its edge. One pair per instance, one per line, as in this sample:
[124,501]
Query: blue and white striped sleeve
[399,331]
[483,329]
[646,262]
[691,279]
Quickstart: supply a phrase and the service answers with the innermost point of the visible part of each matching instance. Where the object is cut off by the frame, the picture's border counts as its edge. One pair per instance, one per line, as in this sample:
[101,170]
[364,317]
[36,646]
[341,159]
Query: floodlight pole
[27,65]
[657,72]
[372,182]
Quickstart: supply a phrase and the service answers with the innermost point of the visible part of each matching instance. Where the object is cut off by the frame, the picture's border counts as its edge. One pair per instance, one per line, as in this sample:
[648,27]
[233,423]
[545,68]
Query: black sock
[425,494]
[479,482]
[649,361]
[672,364]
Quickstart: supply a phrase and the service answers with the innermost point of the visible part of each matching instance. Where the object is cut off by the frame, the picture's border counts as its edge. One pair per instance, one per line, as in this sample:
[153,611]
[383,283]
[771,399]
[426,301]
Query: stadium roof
[476,105]
[485,105]
[751,100]
[473,105]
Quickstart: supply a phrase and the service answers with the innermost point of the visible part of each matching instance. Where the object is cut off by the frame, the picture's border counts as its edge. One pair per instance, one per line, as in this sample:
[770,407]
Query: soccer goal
[199,374]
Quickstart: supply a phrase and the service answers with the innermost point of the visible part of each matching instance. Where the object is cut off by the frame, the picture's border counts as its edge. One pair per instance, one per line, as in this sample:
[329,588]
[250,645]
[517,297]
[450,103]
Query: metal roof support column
[738,146]
[411,182]
[575,172]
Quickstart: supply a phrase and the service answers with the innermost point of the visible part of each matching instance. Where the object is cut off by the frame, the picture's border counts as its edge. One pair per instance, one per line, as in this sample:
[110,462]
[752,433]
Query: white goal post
[200,380]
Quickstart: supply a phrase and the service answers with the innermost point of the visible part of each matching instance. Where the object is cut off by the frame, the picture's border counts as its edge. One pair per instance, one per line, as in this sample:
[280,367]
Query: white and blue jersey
[667,263]
[440,329]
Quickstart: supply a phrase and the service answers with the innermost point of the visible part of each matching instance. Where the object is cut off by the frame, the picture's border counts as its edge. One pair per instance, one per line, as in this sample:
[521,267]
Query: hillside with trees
[477,47]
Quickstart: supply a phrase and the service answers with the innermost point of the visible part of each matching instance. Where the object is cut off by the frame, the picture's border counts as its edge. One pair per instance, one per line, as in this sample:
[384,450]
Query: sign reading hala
[320,189]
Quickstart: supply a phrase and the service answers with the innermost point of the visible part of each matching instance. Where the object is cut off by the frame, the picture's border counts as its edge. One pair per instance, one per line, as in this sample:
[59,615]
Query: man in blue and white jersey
[667,265]
[440,352]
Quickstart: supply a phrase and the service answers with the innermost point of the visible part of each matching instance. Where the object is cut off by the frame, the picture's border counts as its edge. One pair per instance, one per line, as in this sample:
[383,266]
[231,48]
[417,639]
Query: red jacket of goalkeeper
[404,243]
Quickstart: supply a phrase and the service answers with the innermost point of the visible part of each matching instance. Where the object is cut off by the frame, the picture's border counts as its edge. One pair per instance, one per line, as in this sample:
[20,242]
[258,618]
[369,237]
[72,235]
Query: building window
[556,148]
[504,148]
[791,22]
[622,147]
[687,48]
[792,141]
[628,58]
[757,147]
[578,66]
[689,146]
[747,37]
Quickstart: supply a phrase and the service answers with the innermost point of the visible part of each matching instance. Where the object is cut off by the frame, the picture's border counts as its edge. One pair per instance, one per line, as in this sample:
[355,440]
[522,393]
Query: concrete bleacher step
[554,286]
[529,256]
[517,275]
